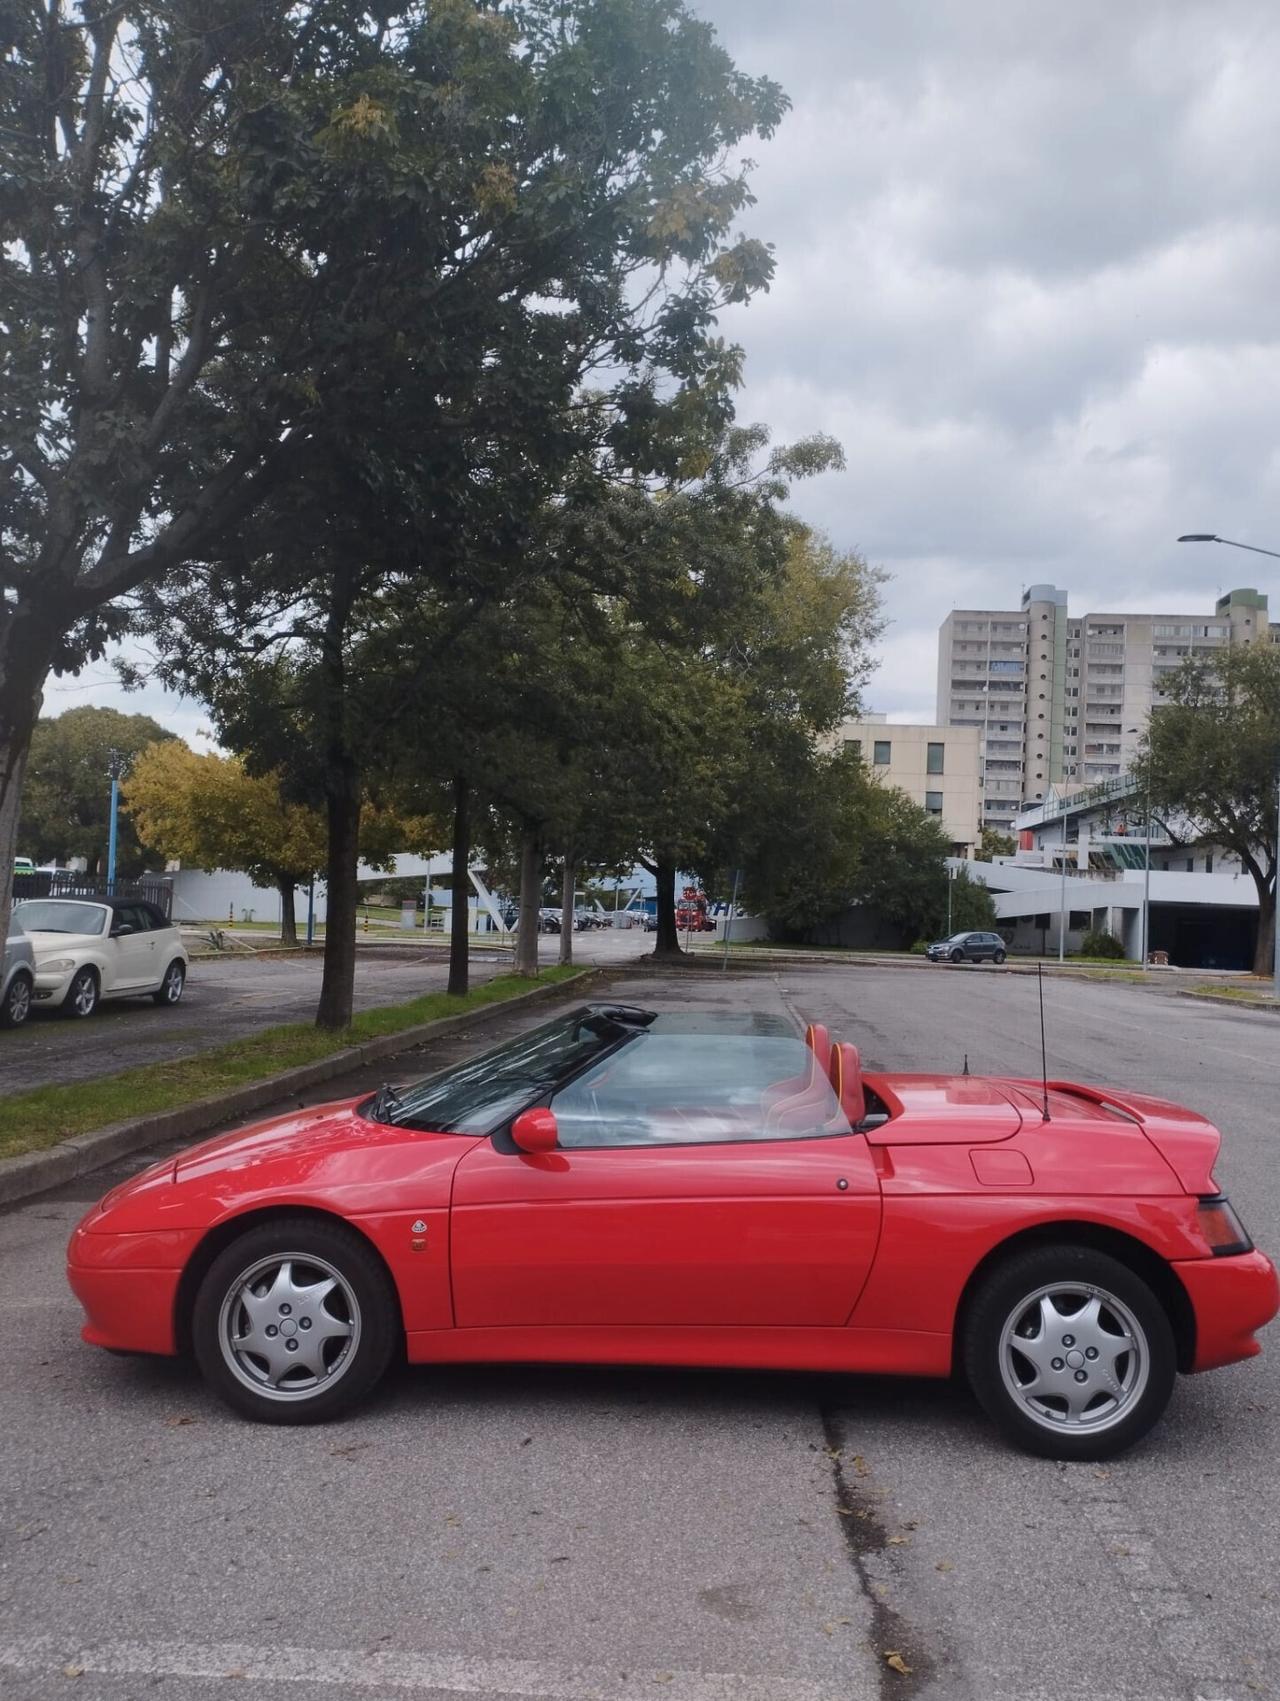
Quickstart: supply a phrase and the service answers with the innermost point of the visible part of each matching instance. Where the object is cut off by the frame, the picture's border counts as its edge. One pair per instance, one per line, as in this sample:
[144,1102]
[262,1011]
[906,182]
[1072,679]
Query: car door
[131,954]
[692,1203]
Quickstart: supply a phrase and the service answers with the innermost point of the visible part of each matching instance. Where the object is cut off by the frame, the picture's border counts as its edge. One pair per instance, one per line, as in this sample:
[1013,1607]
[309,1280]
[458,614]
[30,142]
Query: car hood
[64,944]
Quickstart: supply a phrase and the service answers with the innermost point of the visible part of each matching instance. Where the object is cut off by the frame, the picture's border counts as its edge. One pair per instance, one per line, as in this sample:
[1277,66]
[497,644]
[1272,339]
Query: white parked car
[88,949]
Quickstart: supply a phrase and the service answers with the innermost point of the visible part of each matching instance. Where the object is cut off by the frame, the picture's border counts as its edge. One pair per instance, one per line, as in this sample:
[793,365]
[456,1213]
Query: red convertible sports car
[619,1186]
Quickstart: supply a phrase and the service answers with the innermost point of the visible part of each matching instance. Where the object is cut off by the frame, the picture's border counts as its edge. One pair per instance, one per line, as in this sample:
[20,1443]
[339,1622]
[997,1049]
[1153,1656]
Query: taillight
[1222,1228]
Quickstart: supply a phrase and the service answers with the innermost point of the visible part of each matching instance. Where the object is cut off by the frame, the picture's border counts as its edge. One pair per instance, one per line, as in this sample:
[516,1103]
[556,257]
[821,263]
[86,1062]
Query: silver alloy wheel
[19,1001]
[1074,1358]
[174,981]
[289,1326]
[84,993]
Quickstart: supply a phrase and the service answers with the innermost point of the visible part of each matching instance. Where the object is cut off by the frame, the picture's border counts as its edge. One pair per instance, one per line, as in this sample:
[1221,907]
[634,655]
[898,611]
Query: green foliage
[992,843]
[973,908]
[1099,943]
[66,804]
[1210,759]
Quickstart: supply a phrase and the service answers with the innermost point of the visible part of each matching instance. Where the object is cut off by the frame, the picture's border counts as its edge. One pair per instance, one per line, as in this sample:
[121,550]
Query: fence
[65,883]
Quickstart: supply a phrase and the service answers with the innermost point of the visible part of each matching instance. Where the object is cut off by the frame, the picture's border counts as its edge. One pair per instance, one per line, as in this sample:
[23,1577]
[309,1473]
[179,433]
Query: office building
[1057,698]
[937,767]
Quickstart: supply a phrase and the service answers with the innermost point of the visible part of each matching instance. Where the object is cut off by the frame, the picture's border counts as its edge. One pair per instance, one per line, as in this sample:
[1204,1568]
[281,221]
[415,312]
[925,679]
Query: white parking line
[415,1674]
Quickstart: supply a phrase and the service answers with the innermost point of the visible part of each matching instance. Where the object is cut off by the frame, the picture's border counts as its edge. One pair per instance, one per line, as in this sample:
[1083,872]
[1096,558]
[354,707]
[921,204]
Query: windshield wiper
[385,1103]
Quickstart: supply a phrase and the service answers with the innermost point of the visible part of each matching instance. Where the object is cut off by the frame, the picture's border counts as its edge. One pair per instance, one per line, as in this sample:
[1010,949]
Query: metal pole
[1146,886]
[311,911]
[112,833]
[1062,896]
[950,878]
[1275,959]
[728,920]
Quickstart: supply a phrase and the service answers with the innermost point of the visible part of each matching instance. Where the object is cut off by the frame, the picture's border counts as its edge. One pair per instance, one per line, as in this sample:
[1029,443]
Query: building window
[933,802]
[882,749]
[1208,865]
[933,758]
[855,745]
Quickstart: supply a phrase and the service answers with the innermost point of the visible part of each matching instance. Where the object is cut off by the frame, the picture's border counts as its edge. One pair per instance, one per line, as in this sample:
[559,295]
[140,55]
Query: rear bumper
[1232,1299]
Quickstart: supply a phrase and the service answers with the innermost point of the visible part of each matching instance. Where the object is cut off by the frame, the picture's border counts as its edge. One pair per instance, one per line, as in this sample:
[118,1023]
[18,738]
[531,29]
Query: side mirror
[536,1131]
[120,929]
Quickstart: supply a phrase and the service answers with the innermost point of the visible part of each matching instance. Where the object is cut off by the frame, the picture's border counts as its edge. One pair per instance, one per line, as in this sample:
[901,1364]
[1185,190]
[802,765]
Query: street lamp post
[115,768]
[1146,867]
[1212,537]
[1062,888]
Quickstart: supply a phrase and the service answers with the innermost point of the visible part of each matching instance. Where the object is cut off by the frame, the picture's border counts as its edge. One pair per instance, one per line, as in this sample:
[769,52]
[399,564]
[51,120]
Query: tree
[66,806]
[993,843]
[1210,757]
[207,811]
[231,235]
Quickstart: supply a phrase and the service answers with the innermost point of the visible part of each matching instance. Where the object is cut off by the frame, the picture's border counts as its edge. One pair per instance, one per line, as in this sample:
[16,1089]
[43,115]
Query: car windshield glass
[481,1094]
[685,1089]
[60,915]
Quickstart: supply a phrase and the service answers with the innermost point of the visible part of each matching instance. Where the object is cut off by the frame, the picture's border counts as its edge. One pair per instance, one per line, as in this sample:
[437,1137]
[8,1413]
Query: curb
[1230,1003]
[36,1172]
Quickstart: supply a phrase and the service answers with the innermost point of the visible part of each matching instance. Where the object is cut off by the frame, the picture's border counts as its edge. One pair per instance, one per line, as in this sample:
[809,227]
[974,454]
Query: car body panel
[18,957]
[697,1235]
[847,1250]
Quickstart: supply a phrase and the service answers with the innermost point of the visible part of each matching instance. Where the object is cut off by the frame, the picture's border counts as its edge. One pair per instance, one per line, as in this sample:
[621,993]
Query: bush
[920,947]
[1101,944]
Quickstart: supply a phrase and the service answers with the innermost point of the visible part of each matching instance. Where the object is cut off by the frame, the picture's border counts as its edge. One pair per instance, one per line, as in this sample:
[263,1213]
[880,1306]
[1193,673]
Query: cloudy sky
[1029,275]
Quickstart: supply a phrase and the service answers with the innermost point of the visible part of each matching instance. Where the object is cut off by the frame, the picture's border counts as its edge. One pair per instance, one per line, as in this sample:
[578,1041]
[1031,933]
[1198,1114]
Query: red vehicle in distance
[624,1186]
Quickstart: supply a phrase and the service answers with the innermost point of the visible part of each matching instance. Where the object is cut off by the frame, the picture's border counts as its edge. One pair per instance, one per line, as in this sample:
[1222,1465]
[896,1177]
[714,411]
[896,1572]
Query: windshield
[481,1094]
[59,915]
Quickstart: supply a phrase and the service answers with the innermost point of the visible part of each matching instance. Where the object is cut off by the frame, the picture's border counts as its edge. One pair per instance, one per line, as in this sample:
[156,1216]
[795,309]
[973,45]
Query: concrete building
[1057,698]
[1081,864]
[937,767]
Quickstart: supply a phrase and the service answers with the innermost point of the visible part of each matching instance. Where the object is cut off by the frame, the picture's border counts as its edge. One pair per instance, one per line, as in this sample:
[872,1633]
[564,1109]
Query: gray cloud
[1027,272]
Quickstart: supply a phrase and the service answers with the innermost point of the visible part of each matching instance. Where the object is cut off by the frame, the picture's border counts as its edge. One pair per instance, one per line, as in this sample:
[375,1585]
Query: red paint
[746,1253]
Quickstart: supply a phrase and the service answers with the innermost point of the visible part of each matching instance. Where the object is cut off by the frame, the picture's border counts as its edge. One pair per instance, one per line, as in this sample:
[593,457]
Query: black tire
[170,989]
[957,956]
[1012,1290]
[17,1000]
[365,1297]
[998,957]
[82,996]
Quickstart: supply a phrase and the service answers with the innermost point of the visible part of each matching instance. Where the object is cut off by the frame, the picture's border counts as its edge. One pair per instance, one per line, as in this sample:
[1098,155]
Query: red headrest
[818,1040]
[846,1080]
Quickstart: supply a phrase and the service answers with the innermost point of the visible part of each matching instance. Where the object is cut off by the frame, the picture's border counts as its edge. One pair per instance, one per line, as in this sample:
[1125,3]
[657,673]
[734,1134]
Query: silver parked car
[17,977]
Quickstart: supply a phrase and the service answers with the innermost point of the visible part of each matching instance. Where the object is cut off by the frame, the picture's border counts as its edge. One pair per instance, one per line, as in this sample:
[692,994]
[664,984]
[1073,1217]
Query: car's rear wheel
[1069,1352]
[295,1321]
[16,1006]
[170,989]
[998,957]
[82,995]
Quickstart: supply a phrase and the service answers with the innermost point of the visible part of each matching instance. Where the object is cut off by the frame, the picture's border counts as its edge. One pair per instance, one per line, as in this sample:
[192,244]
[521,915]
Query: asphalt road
[228,998]
[556,1534]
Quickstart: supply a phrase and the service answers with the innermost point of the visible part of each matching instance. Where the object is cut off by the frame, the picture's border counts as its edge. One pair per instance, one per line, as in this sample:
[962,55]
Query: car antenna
[965,1070]
[1044,1055]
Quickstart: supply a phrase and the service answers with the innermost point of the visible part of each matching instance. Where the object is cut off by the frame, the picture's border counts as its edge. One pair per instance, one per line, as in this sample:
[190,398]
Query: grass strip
[31,1121]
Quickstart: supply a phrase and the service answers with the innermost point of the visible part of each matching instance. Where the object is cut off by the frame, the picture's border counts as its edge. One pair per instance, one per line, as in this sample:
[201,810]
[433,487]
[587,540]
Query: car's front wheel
[1069,1352]
[295,1321]
[957,956]
[170,989]
[82,995]
[16,1006]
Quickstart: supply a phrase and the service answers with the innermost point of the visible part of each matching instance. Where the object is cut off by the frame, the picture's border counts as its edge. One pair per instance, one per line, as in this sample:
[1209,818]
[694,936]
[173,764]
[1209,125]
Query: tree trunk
[530,902]
[13,760]
[287,887]
[342,788]
[566,908]
[459,944]
[1264,956]
[667,943]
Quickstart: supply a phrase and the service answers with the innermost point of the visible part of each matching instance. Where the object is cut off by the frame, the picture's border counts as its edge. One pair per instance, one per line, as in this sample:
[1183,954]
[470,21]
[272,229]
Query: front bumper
[128,1286]
[52,988]
[1232,1299]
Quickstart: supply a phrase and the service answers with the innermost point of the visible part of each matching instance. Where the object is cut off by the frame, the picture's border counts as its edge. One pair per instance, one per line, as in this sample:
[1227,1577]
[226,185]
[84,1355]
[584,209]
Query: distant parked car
[651,924]
[549,921]
[968,948]
[17,977]
[90,949]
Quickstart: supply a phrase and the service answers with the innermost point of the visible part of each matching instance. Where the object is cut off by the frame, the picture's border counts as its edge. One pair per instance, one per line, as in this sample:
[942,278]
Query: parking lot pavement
[230,998]
[595,1534]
